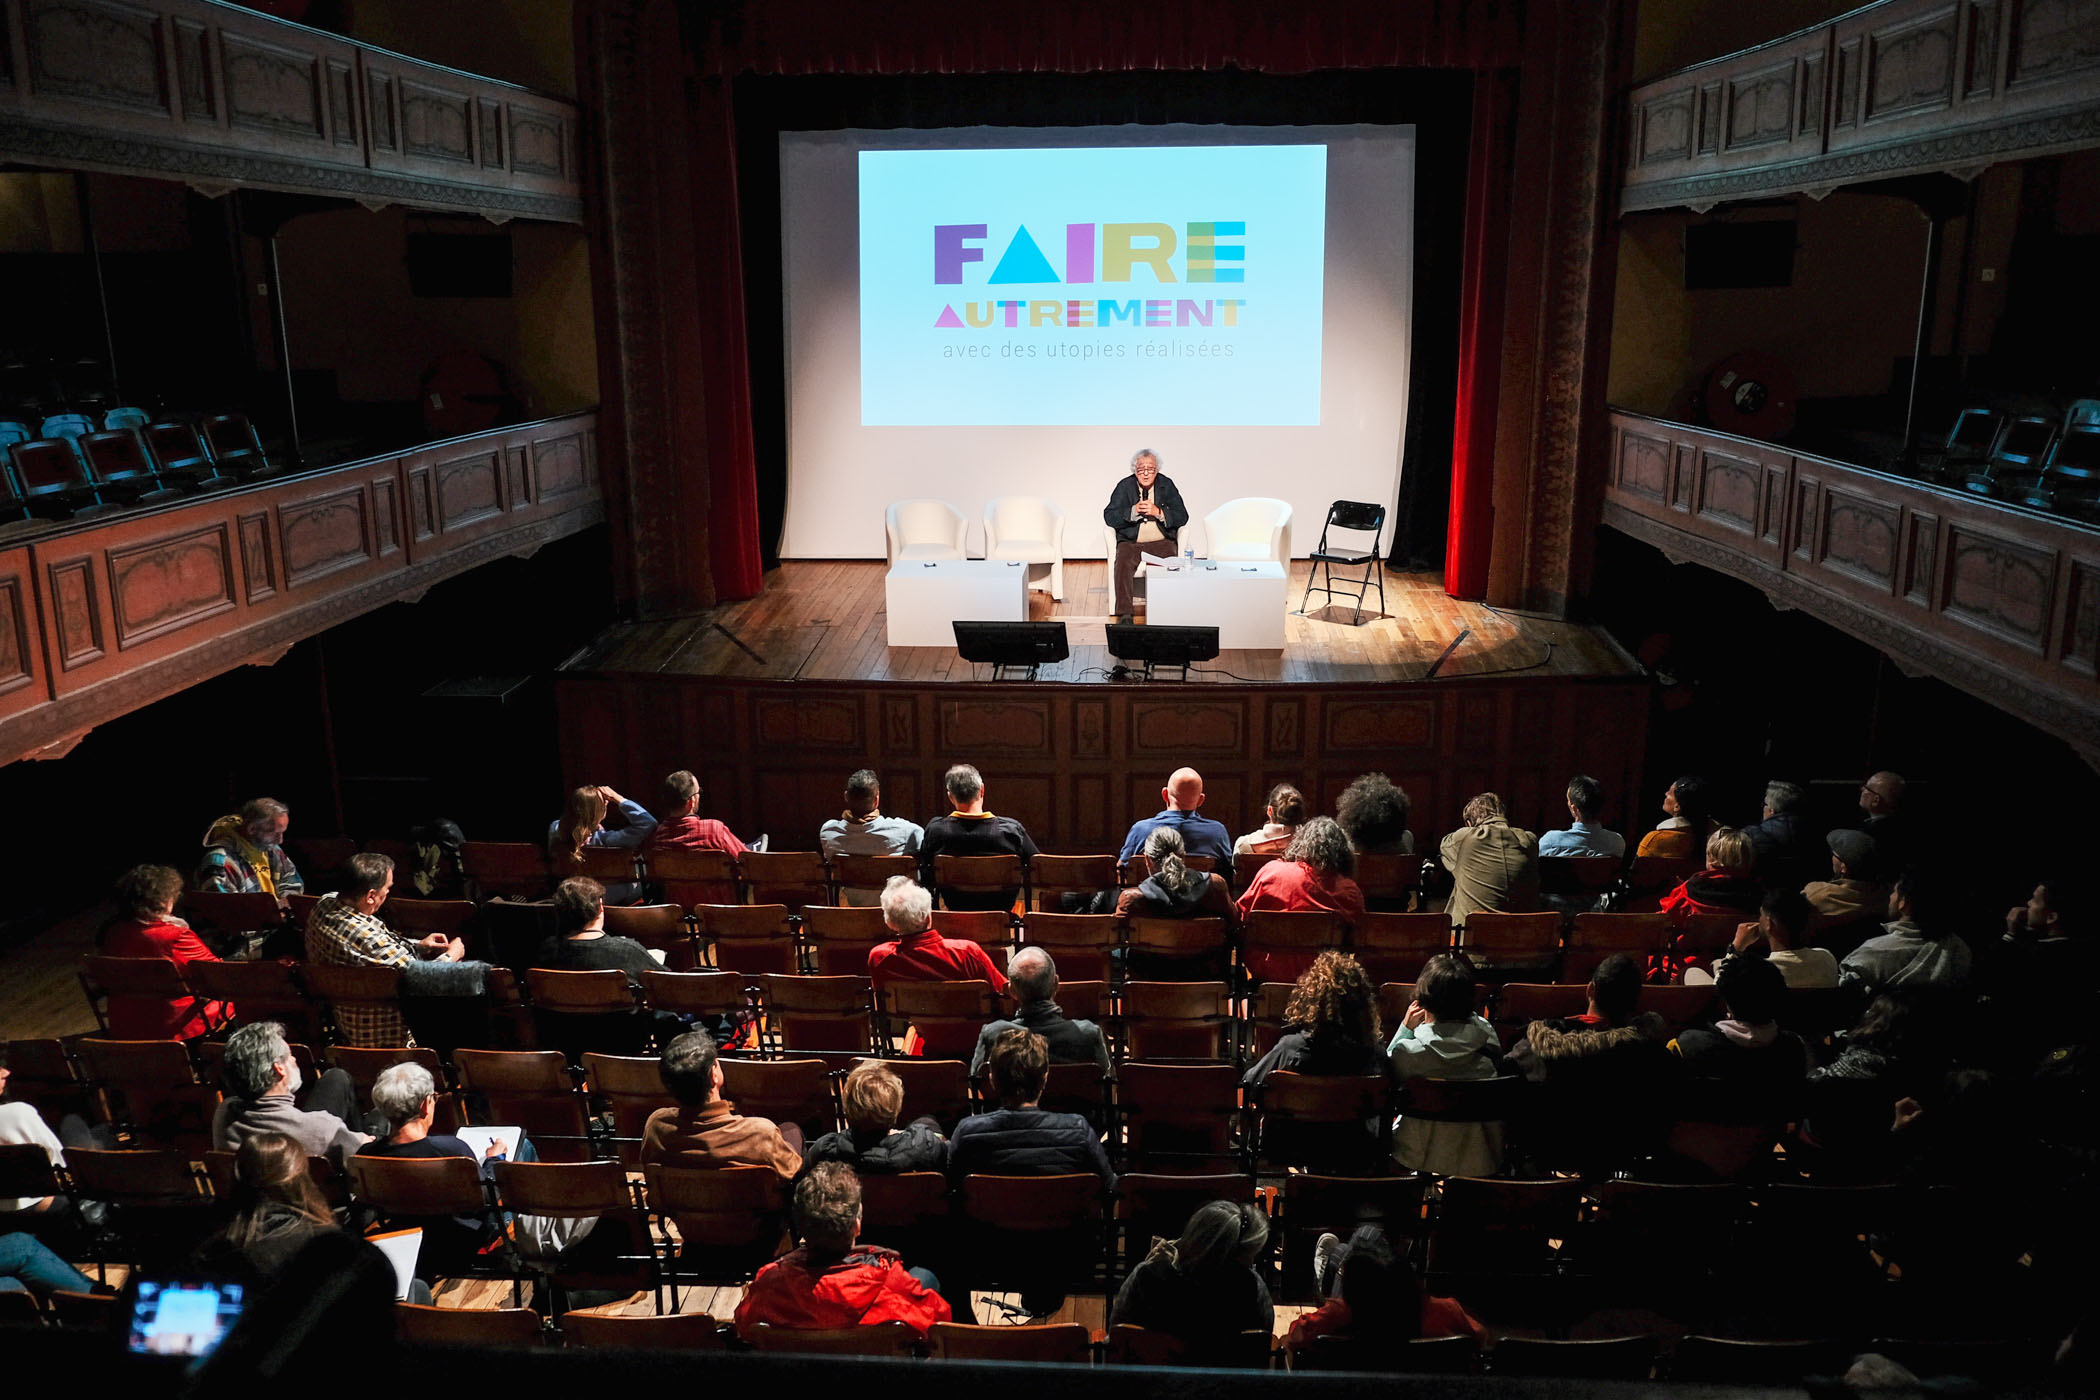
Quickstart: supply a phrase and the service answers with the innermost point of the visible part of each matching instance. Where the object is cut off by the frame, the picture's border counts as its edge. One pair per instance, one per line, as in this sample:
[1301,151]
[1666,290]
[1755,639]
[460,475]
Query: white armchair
[1252,527]
[1032,529]
[926,529]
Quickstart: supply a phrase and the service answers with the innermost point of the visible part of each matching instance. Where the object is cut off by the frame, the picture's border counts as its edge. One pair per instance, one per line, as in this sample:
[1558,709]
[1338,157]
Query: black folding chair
[1357,516]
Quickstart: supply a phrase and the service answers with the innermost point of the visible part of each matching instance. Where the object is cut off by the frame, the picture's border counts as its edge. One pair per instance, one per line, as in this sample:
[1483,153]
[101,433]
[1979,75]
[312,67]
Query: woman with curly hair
[1330,1024]
[1374,812]
[146,927]
[1313,874]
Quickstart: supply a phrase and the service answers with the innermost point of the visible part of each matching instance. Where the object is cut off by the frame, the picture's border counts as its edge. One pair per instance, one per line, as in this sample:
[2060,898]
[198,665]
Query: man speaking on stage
[1146,513]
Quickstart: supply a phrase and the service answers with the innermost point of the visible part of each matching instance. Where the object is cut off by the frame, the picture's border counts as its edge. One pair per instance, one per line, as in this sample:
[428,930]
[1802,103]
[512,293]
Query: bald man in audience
[1200,836]
[1881,798]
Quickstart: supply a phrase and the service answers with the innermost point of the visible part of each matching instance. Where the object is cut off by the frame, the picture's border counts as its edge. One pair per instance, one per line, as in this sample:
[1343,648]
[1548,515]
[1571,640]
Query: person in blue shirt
[1585,835]
[1201,836]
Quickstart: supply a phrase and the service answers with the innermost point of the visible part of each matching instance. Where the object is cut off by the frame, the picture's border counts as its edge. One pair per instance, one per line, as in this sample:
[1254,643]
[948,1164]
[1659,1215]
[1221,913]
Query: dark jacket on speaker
[1173,514]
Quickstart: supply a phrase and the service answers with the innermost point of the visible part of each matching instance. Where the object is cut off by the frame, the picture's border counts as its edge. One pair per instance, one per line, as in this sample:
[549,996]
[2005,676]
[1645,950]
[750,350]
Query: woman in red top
[1378,1301]
[1727,888]
[146,927]
[1314,873]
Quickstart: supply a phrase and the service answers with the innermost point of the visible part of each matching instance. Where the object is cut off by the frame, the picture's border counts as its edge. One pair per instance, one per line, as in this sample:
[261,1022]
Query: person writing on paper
[1146,512]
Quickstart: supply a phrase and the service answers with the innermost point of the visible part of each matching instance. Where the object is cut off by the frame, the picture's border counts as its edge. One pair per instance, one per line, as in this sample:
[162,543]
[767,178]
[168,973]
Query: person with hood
[1314,873]
[1031,979]
[873,1144]
[1494,866]
[833,1281]
[1204,1288]
[1912,951]
[1746,1047]
[1601,1074]
[1442,1037]
[244,853]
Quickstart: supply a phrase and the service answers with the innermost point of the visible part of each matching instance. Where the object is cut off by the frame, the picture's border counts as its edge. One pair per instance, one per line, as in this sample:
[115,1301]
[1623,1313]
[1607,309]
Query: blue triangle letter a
[1023,261]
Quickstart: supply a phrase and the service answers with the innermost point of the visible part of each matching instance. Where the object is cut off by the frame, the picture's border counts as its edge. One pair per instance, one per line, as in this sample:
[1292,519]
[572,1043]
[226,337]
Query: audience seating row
[85,472]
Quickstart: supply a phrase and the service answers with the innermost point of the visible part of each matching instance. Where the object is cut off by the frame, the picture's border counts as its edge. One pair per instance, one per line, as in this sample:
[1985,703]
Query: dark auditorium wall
[355,257]
[1669,34]
[520,41]
[1849,315]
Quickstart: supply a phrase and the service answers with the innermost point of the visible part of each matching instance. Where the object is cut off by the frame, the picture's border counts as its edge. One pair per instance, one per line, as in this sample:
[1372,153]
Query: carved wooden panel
[126,608]
[1761,107]
[539,142]
[557,467]
[1911,87]
[1729,490]
[1980,71]
[160,586]
[1018,726]
[900,724]
[385,129]
[1998,585]
[832,722]
[342,103]
[1527,735]
[272,88]
[514,477]
[76,613]
[1859,537]
[1286,726]
[1683,467]
[96,51]
[1090,728]
[2082,622]
[1644,465]
[2052,39]
[1666,127]
[17,668]
[436,123]
[469,489]
[385,516]
[1365,724]
[420,511]
[193,73]
[257,569]
[1193,726]
[324,534]
[1998,601]
[491,116]
[1774,506]
[1910,66]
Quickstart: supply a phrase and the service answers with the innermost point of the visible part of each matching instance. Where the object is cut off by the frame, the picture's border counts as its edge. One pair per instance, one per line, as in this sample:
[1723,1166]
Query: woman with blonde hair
[582,824]
[1727,886]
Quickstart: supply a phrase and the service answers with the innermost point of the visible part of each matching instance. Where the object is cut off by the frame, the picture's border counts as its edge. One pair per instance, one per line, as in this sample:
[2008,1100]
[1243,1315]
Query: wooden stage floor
[824,620]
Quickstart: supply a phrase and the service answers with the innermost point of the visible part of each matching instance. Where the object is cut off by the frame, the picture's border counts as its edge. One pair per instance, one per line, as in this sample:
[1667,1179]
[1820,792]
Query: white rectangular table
[1245,601]
[925,597]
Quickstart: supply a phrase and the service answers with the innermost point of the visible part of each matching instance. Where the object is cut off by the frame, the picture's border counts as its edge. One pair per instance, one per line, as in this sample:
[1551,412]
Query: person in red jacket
[832,1280]
[1314,874]
[146,927]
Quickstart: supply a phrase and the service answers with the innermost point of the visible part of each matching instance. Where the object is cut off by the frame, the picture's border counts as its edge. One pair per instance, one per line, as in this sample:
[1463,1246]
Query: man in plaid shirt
[345,931]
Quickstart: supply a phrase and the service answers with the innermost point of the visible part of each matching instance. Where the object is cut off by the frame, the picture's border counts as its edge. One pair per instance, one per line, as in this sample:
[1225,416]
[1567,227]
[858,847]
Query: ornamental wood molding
[1997,600]
[1078,764]
[1904,87]
[103,616]
[225,98]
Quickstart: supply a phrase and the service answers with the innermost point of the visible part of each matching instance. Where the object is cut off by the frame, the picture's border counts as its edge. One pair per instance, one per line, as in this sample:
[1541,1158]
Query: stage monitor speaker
[1004,644]
[1162,646]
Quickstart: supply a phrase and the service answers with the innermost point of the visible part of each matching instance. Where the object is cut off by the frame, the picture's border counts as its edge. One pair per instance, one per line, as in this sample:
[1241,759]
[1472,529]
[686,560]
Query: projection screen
[986,312]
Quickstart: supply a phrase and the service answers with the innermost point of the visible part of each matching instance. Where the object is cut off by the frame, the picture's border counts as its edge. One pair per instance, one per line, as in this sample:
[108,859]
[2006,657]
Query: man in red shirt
[684,829]
[918,953]
[833,1280]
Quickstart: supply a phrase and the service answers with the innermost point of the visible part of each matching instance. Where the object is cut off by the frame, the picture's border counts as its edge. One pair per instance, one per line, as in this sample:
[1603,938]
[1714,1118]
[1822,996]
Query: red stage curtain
[1488,163]
[732,458]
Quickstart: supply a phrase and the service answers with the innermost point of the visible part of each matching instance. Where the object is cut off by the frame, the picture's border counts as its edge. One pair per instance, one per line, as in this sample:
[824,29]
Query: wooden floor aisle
[826,620]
